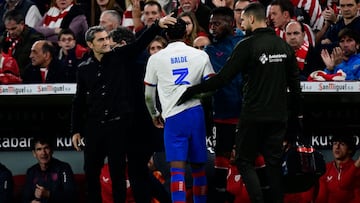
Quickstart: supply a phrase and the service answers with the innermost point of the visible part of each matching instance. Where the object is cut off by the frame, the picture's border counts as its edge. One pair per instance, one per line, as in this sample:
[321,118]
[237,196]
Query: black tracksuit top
[269,68]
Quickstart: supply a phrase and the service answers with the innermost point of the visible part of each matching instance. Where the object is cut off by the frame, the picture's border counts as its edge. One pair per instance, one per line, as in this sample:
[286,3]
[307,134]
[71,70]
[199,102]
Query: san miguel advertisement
[28,110]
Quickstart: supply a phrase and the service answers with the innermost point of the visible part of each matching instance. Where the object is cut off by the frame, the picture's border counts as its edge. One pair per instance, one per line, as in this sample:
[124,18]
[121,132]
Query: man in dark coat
[44,67]
[108,95]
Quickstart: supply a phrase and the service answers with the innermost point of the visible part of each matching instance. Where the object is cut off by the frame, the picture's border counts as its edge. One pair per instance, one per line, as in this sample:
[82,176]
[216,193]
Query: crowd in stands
[44,42]
[27,21]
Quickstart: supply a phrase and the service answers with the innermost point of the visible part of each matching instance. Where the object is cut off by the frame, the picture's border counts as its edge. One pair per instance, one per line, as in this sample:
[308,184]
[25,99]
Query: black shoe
[230,198]
[220,196]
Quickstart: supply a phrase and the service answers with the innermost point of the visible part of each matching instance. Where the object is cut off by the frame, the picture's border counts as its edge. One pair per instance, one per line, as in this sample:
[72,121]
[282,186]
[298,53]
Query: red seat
[19,183]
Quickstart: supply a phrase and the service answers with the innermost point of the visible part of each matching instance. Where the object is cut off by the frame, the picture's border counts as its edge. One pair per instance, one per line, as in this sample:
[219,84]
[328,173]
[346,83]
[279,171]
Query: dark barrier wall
[28,110]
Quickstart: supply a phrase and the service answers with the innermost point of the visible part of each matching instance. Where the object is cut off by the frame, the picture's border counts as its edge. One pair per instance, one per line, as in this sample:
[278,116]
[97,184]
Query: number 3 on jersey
[182,73]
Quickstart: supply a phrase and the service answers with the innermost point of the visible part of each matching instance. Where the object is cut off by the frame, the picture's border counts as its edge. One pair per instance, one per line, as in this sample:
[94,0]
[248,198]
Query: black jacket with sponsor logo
[269,70]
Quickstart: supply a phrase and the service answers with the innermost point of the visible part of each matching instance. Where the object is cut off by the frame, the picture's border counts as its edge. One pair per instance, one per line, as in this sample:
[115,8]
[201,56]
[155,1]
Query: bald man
[200,42]
[110,19]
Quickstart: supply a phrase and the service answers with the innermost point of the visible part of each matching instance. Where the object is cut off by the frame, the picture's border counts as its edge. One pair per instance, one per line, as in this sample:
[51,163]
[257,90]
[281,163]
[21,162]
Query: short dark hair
[14,15]
[257,10]
[227,12]
[347,32]
[285,5]
[42,139]
[48,47]
[154,3]
[90,33]
[176,31]
[122,33]
[66,31]
[349,140]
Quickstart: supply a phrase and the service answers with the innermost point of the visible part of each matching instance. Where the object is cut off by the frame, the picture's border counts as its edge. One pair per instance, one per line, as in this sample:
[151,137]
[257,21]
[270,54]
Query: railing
[50,89]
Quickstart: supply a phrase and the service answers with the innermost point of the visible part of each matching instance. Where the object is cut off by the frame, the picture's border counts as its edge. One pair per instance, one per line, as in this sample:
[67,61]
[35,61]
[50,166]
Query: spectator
[331,11]
[63,14]
[262,59]
[281,13]
[9,69]
[202,12]
[27,9]
[50,180]
[152,11]
[103,5]
[70,53]
[109,97]
[44,66]
[305,54]
[238,8]
[345,57]
[168,5]
[219,3]
[18,38]
[330,18]
[6,185]
[227,100]
[350,19]
[341,181]
[184,141]
[157,44]
[193,29]
[201,42]
[309,12]
[132,14]
[110,19]
[43,5]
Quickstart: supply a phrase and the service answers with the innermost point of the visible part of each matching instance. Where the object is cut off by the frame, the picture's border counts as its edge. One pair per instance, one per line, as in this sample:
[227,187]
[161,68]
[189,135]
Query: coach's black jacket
[112,87]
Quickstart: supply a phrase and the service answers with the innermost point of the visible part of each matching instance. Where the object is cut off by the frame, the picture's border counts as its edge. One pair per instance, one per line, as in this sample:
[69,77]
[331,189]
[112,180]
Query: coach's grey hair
[90,33]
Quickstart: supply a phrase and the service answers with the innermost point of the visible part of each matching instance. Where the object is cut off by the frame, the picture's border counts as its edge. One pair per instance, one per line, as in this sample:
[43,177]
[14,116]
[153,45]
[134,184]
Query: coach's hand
[167,20]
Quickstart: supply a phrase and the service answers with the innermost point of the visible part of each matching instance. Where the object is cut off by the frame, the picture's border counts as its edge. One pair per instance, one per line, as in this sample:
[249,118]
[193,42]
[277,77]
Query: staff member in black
[269,68]
[106,109]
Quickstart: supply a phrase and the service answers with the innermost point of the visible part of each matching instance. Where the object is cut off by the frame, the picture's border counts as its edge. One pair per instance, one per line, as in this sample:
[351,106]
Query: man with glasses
[70,53]
[238,8]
